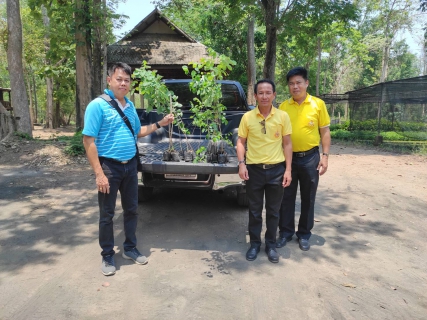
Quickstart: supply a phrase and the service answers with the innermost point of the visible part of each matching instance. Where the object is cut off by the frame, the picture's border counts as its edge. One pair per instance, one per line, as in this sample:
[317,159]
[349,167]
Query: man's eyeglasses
[263,130]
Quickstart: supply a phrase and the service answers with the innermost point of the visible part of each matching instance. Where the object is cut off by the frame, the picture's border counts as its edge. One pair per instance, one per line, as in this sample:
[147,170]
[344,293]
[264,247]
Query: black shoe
[304,245]
[272,254]
[252,253]
[281,241]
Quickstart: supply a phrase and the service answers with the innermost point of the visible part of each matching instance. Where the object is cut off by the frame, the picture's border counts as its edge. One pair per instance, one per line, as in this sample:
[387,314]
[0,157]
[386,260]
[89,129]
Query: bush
[344,125]
[22,135]
[413,126]
[75,146]
[415,136]
[386,125]
[342,135]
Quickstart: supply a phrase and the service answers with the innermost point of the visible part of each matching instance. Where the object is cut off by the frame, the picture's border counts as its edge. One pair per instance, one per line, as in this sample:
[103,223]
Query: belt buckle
[124,162]
[263,166]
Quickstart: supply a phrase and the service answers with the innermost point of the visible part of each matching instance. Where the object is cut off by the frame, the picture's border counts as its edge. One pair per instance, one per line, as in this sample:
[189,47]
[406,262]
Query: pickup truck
[222,177]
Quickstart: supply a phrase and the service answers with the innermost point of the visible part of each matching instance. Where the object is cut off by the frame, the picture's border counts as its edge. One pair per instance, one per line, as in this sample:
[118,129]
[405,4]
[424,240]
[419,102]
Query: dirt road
[368,258]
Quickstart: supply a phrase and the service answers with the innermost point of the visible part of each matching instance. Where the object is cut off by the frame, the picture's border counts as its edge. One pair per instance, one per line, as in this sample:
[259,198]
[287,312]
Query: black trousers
[304,171]
[269,182]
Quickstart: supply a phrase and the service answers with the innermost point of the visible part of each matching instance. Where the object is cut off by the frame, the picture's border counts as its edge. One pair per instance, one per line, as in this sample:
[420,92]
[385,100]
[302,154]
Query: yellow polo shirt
[306,120]
[265,148]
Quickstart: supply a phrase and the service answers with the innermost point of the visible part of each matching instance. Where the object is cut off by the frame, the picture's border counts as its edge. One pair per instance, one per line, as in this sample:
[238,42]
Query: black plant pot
[214,158]
[189,156]
[166,156]
[208,157]
[182,154]
[222,158]
[175,156]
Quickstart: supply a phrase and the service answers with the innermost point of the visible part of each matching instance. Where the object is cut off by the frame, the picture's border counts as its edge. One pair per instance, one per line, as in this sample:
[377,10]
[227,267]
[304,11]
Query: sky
[136,10]
[139,9]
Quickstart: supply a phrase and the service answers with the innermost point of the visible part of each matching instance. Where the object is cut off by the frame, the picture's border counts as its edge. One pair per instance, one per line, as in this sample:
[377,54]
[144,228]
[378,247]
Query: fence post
[379,138]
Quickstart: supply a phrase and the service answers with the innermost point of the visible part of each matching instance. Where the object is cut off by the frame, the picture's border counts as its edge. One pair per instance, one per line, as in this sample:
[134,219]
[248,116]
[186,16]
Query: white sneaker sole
[108,273]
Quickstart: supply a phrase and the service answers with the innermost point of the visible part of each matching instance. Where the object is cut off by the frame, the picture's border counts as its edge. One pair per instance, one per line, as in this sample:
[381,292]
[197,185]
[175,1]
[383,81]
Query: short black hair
[119,65]
[265,81]
[298,71]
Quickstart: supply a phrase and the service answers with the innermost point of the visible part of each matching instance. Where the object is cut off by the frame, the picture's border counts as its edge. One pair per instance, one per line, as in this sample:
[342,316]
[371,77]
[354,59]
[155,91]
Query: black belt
[305,153]
[114,160]
[266,166]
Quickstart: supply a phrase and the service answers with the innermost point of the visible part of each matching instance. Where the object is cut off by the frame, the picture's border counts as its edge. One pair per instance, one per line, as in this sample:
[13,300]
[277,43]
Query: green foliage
[344,125]
[208,112]
[149,83]
[22,135]
[75,146]
[362,135]
[221,27]
[200,155]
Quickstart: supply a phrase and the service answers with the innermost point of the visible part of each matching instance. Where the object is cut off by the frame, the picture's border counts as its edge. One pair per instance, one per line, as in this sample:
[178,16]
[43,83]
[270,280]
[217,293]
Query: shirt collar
[111,94]
[307,99]
[273,111]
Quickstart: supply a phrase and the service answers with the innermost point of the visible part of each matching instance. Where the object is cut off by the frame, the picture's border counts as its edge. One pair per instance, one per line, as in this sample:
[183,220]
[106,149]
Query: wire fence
[395,106]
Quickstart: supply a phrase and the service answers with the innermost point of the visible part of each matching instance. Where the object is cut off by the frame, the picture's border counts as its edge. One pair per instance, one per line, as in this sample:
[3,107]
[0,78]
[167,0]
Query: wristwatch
[325,154]
[240,161]
[157,125]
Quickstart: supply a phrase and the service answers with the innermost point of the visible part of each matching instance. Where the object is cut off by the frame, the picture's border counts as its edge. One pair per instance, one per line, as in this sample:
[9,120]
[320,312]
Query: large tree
[19,96]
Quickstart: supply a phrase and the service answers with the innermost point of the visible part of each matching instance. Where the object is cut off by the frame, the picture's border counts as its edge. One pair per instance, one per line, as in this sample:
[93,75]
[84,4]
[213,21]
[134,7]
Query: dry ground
[368,258]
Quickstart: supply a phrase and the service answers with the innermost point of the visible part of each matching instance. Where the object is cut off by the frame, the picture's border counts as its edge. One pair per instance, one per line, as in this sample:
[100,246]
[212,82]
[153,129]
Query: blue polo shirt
[113,138]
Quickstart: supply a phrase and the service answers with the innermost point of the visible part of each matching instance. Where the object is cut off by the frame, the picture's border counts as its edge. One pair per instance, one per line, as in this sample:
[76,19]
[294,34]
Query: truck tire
[145,193]
[242,199]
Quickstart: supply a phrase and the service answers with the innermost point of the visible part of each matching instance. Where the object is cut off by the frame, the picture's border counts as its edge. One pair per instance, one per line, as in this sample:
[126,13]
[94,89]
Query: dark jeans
[304,171]
[268,181]
[123,178]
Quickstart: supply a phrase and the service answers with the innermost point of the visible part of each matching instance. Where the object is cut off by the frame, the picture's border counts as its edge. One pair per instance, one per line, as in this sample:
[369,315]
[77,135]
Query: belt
[114,160]
[305,153]
[266,166]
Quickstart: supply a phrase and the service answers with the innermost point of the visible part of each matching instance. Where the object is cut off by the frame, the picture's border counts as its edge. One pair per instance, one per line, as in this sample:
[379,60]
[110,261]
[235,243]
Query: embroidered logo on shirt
[311,123]
[277,134]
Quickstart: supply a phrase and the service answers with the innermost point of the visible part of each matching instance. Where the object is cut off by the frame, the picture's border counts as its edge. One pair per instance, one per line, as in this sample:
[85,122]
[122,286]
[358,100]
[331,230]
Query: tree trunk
[98,26]
[49,103]
[83,61]
[104,48]
[49,80]
[251,71]
[19,98]
[319,64]
[57,111]
[384,67]
[35,98]
[30,96]
[270,9]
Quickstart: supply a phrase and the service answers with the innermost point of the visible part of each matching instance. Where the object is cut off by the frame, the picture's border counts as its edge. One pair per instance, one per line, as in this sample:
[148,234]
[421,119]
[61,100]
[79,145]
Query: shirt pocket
[311,123]
[276,132]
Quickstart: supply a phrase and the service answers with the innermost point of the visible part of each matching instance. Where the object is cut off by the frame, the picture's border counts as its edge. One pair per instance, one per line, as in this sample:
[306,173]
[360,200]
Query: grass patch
[74,144]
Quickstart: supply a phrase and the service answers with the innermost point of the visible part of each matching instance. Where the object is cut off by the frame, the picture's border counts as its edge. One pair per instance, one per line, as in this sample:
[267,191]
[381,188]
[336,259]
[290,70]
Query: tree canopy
[345,45]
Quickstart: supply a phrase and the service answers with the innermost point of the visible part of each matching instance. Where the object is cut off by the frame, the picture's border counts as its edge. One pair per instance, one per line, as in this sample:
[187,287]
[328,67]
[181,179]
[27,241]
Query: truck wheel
[242,199]
[144,193]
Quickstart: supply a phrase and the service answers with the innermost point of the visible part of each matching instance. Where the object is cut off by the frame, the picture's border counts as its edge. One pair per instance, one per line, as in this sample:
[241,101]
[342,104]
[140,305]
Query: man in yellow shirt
[310,124]
[266,131]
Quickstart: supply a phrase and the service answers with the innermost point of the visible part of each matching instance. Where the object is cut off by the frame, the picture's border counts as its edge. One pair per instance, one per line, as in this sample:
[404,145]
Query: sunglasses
[263,130]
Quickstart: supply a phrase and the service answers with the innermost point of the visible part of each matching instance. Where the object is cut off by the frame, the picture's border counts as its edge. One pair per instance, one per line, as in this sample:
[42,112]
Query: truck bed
[151,159]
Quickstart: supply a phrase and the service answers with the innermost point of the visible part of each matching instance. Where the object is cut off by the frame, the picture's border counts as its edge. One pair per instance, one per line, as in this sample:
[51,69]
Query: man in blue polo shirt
[111,150]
